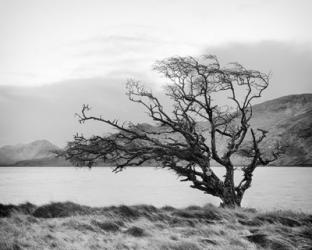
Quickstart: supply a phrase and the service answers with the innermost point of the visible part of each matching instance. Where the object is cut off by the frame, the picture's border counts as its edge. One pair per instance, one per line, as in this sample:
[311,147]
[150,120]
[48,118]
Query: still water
[272,188]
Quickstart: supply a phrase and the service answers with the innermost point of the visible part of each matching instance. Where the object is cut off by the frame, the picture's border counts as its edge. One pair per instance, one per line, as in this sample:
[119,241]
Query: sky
[56,55]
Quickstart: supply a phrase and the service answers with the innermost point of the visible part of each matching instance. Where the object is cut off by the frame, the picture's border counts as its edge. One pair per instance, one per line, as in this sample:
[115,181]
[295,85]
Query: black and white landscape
[148,124]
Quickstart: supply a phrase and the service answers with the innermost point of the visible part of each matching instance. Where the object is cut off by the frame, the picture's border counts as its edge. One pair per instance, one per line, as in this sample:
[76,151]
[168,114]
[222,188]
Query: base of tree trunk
[232,203]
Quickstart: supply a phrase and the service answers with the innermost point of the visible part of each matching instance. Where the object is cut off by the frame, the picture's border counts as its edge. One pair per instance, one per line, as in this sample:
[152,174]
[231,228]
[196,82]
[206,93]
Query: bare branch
[178,143]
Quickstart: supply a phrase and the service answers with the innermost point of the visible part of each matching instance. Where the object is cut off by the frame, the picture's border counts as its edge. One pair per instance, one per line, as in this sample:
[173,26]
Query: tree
[179,141]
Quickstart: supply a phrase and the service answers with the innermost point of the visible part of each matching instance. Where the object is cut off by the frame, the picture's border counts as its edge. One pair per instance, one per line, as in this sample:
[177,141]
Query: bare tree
[185,139]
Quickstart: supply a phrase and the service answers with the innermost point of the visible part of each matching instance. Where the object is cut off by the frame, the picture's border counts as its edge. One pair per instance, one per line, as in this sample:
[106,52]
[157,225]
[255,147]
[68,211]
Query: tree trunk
[229,198]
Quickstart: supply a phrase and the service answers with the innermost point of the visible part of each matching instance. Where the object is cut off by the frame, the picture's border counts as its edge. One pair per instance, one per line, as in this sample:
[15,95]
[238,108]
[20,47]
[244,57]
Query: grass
[71,226]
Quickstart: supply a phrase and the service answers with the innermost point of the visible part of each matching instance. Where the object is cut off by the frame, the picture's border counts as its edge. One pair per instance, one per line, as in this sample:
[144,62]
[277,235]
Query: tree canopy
[185,139]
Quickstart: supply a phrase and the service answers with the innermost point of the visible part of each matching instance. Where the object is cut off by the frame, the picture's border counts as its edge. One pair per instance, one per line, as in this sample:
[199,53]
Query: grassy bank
[71,226]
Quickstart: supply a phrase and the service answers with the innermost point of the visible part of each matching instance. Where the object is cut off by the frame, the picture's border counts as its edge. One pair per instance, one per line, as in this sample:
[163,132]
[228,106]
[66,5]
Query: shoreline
[66,225]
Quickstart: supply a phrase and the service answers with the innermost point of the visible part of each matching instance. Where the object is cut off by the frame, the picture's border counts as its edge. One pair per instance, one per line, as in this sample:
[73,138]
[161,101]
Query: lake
[272,187]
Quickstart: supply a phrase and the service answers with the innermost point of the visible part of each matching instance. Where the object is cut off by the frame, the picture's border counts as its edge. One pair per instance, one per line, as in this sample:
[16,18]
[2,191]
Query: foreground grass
[71,226]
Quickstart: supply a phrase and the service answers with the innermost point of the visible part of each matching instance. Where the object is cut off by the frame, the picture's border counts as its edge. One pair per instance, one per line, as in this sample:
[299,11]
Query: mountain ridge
[39,149]
[287,119]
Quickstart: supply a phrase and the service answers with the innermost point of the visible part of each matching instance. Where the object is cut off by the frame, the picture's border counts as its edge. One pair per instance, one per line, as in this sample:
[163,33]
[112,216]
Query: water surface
[272,187]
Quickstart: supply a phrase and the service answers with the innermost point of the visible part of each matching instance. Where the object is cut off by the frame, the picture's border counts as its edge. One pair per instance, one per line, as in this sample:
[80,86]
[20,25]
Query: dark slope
[289,120]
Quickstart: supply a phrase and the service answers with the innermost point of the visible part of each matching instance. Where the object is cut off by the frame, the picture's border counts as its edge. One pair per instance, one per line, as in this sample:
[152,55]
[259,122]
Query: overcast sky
[56,55]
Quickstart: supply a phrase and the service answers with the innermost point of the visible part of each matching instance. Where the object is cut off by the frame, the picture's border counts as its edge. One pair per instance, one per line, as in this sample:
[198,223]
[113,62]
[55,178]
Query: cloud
[47,112]
[289,63]
[104,55]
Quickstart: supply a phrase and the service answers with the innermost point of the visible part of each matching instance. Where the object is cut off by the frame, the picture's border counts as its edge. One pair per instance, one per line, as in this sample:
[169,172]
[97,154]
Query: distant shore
[71,226]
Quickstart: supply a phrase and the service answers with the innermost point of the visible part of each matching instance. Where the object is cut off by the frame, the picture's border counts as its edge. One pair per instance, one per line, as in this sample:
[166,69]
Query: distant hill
[287,119]
[25,154]
[51,161]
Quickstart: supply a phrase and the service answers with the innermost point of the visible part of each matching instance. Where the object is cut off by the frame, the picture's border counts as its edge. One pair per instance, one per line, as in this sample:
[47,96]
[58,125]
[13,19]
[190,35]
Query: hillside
[287,119]
[34,151]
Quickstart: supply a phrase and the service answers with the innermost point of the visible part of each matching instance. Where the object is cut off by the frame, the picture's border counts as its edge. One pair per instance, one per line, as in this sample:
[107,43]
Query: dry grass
[71,226]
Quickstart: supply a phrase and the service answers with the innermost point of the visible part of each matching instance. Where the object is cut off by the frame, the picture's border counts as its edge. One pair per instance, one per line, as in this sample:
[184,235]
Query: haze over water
[272,187]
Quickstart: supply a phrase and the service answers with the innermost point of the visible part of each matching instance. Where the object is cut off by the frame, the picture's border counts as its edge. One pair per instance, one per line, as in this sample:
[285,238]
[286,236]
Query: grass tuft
[108,226]
[128,212]
[277,218]
[60,209]
[182,245]
[7,210]
[208,214]
[271,241]
[9,246]
[136,231]
[78,226]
